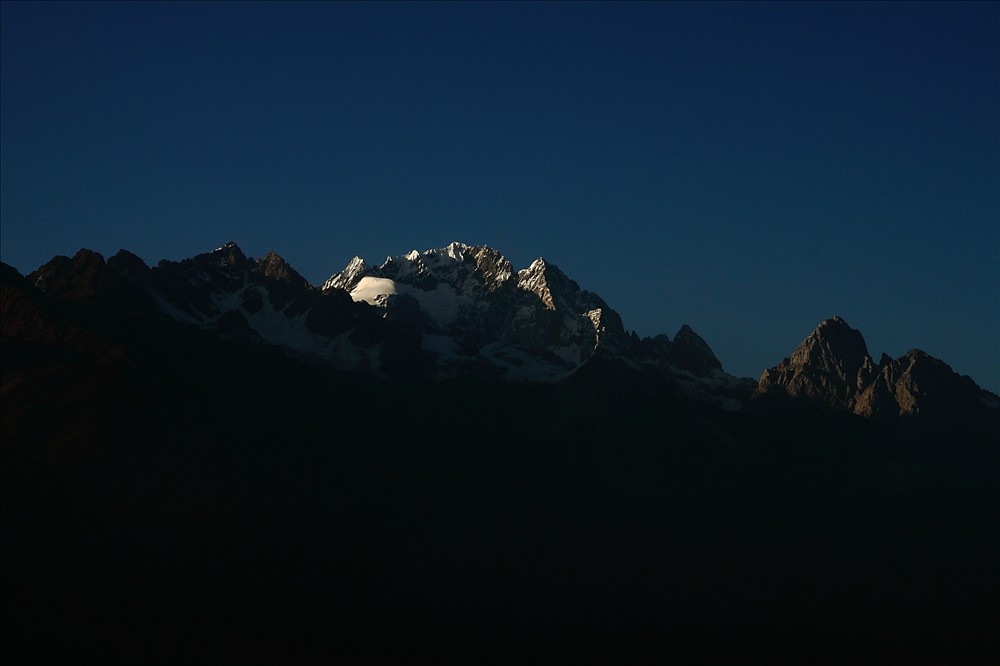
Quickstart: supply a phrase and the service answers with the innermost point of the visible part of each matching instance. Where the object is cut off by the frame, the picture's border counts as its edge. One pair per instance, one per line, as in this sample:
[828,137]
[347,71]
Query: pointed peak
[920,356]
[539,270]
[686,332]
[128,264]
[349,277]
[125,255]
[836,338]
[227,248]
[491,263]
[687,337]
[12,277]
[455,251]
[230,254]
[83,278]
[542,266]
[835,321]
[275,267]
[831,365]
[689,351]
[84,256]
[538,264]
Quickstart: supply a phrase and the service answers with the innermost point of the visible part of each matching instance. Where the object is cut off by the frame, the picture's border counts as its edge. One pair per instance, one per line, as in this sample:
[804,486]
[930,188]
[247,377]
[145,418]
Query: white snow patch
[372,290]
[441,304]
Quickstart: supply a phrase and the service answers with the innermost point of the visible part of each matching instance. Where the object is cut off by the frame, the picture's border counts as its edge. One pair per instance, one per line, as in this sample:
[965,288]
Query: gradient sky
[748,169]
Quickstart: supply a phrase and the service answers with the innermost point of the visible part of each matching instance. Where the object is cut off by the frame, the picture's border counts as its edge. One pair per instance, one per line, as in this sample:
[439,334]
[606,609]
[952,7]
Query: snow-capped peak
[455,250]
[466,304]
[229,255]
[538,264]
[357,263]
[458,264]
[227,247]
[349,277]
[549,283]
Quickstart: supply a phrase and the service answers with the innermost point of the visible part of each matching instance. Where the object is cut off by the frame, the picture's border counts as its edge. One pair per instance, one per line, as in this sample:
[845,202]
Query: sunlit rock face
[535,323]
[440,313]
[465,310]
[914,383]
[832,366]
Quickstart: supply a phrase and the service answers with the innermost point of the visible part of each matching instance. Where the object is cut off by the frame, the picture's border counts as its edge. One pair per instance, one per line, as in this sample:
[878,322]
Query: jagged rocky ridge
[166,473]
[441,313]
[465,310]
[832,367]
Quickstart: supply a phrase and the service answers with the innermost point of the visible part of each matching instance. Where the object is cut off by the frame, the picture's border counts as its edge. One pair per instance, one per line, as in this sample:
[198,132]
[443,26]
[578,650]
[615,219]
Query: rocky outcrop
[348,278]
[831,366]
[689,364]
[690,352]
[554,308]
[129,266]
[25,315]
[473,295]
[916,383]
[85,278]
[233,479]
[451,311]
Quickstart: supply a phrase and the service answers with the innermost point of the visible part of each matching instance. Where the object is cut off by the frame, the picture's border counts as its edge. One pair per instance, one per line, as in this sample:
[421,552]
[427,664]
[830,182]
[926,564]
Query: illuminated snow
[373,290]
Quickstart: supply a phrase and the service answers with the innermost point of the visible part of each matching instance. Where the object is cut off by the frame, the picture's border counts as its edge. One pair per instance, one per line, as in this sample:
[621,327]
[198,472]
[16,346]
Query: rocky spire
[550,284]
[916,383]
[349,277]
[83,278]
[690,352]
[229,254]
[276,268]
[831,365]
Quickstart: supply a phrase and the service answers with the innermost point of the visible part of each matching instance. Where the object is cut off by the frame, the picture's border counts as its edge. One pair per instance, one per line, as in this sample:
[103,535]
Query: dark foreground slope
[167,490]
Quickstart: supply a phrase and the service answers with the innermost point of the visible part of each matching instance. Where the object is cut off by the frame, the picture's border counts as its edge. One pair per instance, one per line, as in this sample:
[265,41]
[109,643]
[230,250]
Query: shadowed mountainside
[176,485]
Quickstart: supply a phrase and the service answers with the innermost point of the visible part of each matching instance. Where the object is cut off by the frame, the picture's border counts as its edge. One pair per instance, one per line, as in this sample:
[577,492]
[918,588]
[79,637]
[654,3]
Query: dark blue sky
[749,169]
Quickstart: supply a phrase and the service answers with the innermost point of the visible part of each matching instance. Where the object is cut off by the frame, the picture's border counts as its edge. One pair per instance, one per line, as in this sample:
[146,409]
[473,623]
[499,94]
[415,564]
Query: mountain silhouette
[446,455]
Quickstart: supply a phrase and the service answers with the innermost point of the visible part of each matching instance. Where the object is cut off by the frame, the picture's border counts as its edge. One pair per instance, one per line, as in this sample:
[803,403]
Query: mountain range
[445,452]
